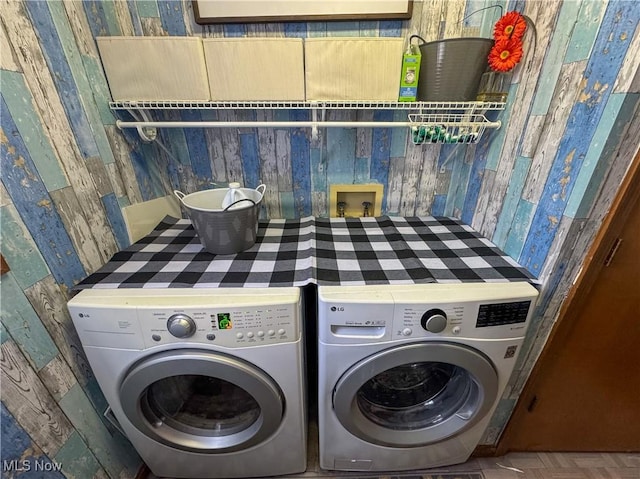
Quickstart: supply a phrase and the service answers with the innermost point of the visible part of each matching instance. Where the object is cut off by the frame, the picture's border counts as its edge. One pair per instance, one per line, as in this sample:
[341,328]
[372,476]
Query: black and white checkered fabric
[325,251]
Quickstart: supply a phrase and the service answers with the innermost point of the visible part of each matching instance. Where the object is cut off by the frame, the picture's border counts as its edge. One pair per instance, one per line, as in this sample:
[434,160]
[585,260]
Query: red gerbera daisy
[511,25]
[505,54]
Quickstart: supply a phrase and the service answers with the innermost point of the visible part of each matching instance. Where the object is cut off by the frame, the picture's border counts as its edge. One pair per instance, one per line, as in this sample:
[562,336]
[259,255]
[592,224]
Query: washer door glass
[201,401]
[415,394]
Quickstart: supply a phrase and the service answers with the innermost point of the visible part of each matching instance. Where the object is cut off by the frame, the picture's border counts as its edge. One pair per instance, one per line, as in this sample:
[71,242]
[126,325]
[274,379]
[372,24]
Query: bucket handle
[180,195]
[261,189]
[418,37]
[239,201]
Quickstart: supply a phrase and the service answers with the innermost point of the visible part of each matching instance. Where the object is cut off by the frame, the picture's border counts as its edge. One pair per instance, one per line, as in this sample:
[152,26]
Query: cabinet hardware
[612,252]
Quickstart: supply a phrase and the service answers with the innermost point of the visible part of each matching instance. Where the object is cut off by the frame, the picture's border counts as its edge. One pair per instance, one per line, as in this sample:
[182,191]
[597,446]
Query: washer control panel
[229,327]
[469,319]
[498,314]
[359,314]
[420,320]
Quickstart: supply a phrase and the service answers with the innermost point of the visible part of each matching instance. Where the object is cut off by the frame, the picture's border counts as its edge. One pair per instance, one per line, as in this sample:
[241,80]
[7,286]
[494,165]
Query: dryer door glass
[415,394]
[201,405]
[202,401]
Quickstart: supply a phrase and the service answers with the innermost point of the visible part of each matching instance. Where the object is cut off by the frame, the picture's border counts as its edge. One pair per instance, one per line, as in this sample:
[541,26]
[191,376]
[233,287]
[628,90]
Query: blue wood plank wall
[67,172]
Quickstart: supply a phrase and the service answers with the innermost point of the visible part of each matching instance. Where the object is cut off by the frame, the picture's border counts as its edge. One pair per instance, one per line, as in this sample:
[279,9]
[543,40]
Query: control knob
[181,326]
[434,320]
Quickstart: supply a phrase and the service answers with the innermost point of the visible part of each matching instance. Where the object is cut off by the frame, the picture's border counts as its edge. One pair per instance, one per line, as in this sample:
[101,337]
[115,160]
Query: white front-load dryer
[409,376]
[206,383]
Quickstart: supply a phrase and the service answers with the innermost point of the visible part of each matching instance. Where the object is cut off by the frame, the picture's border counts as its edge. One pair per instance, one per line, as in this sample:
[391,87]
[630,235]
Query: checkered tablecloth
[325,251]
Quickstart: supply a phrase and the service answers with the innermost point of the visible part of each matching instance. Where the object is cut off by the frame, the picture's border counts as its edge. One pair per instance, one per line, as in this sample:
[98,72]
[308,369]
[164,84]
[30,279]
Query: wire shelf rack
[304,105]
[430,122]
[448,128]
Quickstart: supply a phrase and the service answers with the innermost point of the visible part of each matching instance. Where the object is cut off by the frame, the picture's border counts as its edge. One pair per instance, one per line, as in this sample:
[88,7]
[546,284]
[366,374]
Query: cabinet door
[584,394]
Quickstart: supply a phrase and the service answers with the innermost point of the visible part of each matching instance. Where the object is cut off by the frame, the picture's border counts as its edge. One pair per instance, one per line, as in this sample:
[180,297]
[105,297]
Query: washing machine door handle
[248,417]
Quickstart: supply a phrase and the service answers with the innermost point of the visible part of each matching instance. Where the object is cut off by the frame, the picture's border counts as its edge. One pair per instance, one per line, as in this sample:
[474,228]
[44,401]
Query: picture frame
[261,11]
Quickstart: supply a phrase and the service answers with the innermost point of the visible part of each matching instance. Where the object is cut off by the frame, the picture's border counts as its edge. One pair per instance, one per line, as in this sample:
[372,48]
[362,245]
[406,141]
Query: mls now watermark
[26,465]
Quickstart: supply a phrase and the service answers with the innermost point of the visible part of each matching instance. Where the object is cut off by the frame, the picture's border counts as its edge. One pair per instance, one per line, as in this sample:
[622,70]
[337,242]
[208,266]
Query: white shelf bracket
[314,124]
[147,134]
[443,167]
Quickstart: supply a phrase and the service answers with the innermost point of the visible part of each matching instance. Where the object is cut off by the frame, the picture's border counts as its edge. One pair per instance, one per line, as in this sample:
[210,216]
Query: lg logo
[335,308]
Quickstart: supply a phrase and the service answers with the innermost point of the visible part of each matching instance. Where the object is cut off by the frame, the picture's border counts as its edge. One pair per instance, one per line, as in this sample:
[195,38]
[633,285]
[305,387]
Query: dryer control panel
[231,318]
[228,326]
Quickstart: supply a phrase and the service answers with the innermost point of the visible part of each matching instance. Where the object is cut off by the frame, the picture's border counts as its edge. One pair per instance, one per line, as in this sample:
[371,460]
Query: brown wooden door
[584,394]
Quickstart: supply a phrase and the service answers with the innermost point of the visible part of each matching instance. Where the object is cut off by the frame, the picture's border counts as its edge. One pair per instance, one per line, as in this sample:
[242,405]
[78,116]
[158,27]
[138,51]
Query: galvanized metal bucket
[223,231]
[450,70]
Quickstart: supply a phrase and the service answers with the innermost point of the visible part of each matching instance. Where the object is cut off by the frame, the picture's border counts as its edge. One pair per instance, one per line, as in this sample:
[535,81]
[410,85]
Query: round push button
[250,334]
[156,337]
[239,335]
[281,331]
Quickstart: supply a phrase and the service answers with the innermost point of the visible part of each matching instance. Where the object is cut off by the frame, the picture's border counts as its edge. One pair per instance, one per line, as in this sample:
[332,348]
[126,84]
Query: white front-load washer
[206,383]
[409,376]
